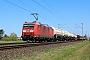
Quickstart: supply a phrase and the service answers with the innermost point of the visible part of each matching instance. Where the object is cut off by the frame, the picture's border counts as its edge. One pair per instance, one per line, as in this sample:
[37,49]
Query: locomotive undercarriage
[37,39]
[64,38]
[29,38]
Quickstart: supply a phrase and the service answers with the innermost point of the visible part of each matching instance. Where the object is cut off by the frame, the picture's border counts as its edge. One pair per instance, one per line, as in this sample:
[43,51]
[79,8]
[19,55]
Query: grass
[2,42]
[79,51]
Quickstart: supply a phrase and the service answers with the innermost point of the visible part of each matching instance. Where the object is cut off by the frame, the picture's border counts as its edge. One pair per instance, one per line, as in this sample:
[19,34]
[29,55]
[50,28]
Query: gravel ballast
[27,51]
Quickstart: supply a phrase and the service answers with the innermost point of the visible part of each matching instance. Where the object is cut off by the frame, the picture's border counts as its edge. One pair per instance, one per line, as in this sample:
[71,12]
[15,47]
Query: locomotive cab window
[28,25]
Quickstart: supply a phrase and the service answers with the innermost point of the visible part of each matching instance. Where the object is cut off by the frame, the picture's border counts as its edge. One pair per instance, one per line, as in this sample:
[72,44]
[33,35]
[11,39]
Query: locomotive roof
[32,23]
[38,23]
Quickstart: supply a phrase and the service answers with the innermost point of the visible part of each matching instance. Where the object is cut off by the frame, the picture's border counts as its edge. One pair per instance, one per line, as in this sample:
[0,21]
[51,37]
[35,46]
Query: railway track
[25,44]
[13,51]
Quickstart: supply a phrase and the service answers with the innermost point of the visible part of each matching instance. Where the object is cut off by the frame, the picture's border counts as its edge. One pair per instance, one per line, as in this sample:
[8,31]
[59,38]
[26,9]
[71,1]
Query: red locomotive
[35,31]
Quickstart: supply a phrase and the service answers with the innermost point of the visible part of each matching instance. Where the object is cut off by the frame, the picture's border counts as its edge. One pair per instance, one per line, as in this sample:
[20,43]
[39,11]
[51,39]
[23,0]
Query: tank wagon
[63,35]
[57,34]
[36,31]
[81,37]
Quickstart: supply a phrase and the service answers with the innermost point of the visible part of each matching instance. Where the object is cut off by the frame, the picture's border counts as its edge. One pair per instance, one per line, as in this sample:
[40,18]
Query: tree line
[5,37]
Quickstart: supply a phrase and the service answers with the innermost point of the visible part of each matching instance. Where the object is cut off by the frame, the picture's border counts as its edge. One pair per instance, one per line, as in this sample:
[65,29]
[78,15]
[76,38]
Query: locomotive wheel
[28,41]
[35,40]
[32,40]
[44,40]
[54,40]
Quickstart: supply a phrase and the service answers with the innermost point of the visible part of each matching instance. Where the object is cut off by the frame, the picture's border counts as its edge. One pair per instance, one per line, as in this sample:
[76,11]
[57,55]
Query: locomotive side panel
[45,32]
[51,32]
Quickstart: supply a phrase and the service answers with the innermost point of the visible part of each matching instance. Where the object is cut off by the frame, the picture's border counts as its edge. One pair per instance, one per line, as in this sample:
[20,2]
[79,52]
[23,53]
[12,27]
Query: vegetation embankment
[5,37]
[79,51]
[12,37]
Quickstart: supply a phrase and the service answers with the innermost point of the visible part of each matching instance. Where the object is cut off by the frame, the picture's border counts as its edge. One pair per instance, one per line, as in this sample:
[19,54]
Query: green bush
[0,37]
[13,38]
[9,39]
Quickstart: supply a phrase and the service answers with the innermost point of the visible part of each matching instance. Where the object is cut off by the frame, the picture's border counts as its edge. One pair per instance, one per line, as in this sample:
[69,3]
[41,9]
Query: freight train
[35,31]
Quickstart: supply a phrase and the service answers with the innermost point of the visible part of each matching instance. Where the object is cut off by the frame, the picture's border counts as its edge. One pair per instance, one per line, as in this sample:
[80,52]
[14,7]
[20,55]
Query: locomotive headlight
[24,30]
[31,30]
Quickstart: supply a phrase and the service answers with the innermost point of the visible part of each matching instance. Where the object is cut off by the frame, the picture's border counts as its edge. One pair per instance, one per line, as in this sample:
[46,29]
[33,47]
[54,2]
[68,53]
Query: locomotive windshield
[28,25]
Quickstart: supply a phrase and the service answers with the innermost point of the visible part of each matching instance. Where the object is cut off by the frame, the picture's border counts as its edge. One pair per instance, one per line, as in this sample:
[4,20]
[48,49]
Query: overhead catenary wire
[46,9]
[26,9]
[26,5]
[18,6]
[36,10]
[52,8]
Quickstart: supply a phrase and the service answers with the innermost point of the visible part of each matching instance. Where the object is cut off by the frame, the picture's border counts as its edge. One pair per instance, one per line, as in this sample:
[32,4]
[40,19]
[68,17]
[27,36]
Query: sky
[68,14]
